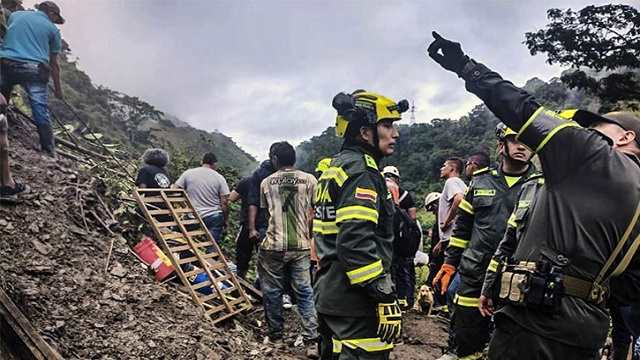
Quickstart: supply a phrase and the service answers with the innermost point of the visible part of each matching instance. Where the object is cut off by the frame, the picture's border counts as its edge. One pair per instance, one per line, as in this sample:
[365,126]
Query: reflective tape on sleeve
[512,220]
[337,346]
[466,301]
[365,273]
[466,206]
[493,265]
[356,212]
[457,242]
[541,127]
[325,227]
[336,174]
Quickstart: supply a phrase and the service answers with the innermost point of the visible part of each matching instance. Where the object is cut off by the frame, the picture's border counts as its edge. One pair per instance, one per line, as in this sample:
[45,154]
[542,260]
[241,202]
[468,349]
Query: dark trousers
[351,338]
[511,341]
[471,330]
[244,251]
[403,273]
[620,335]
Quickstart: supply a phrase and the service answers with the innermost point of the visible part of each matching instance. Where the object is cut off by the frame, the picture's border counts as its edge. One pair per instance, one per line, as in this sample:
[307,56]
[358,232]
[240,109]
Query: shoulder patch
[366,194]
[370,162]
[481,171]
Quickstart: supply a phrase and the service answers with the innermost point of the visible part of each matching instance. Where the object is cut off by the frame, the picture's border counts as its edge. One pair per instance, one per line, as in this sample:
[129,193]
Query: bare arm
[234,196]
[413,213]
[224,205]
[451,215]
[55,75]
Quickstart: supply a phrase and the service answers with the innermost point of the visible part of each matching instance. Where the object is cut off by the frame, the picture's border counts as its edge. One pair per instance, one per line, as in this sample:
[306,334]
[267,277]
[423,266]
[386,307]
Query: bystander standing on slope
[29,57]
[209,193]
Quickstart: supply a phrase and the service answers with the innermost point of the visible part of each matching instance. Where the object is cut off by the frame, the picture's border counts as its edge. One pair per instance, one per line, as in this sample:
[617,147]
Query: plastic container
[153,256]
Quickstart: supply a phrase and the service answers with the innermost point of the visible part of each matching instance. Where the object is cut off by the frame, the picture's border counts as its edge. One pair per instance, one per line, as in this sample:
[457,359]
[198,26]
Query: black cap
[625,119]
[53,7]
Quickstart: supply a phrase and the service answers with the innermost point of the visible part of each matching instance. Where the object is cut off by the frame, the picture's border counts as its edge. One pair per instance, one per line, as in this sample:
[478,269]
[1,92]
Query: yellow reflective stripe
[356,212]
[484,192]
[466,206]
[529,121]
[466,301]
[368,345]
[512,220]
[365,273]
[337,346]
[457,242]
[493,265]
[325,227]
[371,162]
[553,132]
[336,174]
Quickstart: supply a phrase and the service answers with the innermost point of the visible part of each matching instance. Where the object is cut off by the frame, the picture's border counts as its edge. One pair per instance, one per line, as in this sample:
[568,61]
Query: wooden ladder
[186,240]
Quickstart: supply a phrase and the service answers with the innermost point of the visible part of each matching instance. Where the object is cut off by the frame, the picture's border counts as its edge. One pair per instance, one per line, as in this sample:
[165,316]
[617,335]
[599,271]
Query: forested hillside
[129,125]
[423,147]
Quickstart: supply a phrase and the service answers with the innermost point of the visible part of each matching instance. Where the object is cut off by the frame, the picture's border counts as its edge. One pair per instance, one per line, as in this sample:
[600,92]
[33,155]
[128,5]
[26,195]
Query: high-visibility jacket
[516,226]
[587,206]
[353,230]
[481,222]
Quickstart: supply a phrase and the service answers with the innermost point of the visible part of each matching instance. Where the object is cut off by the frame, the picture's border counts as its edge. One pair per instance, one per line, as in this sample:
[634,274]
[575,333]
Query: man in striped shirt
[287,196]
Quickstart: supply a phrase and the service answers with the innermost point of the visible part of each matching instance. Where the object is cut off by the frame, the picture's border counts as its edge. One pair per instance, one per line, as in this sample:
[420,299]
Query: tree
[603,39]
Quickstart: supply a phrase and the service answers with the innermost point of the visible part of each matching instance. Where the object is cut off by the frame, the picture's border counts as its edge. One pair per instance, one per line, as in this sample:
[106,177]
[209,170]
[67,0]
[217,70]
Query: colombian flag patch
[366,194]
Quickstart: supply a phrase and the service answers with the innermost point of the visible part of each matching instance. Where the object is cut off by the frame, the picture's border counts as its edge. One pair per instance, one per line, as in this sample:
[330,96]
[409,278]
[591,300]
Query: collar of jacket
[368,149]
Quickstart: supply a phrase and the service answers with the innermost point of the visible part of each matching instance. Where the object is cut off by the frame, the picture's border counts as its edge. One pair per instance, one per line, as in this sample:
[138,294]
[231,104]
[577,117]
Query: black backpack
[407,234]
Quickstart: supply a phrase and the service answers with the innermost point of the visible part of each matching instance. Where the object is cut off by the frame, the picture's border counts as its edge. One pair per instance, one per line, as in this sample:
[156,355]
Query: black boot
[47,139]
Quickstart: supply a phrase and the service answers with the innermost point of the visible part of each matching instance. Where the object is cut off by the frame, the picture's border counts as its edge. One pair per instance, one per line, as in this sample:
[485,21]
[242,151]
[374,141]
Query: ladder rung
[183,210]
[187,247]
[214,310]
[237,301]
[173,235]
[166,224]
[177,199]
[193,272]
[197,233]
[190,222]
[159,212]
[216,266]
[213,295]
[187,260]
[152,199]
[210,255]
[201,285]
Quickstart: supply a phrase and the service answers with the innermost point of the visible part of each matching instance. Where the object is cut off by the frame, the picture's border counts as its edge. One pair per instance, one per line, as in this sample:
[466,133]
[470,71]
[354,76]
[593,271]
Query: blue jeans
[215,224]
[28,75]
[276,269]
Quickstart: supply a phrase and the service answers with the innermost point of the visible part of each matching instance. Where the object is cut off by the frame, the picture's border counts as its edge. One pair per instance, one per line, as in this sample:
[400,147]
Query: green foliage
[599,38]
[423,147]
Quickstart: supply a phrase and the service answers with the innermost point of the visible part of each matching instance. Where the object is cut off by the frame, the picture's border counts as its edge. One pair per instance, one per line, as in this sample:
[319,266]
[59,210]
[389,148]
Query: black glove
[452,57]
[382,290]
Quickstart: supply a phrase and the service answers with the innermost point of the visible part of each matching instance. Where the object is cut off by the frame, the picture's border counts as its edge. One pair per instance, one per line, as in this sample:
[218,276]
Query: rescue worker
[479,227]
[580,230]
[358,314]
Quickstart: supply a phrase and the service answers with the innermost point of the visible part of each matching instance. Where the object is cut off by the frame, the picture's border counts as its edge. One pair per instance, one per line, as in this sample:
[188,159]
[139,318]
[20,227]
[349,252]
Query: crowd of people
[530,263]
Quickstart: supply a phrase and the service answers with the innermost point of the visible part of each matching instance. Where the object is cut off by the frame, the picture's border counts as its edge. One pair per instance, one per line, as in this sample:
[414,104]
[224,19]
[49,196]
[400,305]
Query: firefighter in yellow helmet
[358,313]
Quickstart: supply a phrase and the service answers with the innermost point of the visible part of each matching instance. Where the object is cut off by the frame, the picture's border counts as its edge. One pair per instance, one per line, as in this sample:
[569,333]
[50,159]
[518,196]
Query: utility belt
[28,71]
[542,284]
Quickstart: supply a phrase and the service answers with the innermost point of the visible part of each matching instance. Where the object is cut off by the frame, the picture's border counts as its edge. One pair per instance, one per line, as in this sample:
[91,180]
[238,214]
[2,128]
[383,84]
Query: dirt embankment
[53,267]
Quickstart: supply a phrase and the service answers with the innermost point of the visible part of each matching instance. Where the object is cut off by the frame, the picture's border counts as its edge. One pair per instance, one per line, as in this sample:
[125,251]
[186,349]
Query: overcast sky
[263,71]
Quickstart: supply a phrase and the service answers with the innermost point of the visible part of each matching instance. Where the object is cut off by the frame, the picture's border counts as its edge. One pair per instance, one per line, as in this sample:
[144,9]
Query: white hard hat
[391,170]
[431,198]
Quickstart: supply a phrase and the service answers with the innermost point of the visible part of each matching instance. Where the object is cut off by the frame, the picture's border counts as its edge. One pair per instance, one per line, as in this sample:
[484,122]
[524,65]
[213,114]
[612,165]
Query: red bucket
[153,256]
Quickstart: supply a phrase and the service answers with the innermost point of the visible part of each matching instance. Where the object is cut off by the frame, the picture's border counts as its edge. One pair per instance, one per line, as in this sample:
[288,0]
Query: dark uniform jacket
[479,227]
[353,230]
[516,226]
[590,198]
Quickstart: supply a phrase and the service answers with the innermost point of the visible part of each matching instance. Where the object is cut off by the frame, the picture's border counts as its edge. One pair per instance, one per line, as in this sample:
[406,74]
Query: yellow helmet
[323,165]
[502,131]
[365,107]
[567,114]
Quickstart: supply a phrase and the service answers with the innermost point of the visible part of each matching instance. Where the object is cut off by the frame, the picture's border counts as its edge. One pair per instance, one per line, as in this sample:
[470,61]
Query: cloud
[266,71]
